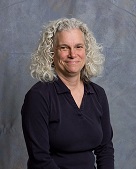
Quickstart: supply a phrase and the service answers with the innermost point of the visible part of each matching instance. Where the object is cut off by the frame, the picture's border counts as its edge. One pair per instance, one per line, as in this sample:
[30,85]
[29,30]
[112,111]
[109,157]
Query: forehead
[68,36]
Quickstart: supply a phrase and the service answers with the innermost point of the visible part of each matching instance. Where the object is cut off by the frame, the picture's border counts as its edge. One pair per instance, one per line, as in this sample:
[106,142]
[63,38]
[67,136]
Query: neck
[71,82]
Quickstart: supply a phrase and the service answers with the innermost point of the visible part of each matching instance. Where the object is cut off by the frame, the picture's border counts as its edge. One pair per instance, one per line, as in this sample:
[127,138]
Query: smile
[72,62]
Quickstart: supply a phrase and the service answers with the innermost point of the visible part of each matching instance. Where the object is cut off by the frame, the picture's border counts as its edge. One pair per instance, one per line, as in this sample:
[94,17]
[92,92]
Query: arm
[105,152]
[35,128]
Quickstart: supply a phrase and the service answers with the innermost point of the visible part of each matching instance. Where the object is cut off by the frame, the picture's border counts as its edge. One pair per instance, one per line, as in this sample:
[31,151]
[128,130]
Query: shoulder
[41,87]
[40,90]
[99,91]
[97,88]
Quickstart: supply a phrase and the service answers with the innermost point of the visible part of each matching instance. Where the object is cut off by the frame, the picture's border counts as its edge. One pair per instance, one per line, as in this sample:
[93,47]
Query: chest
[77,95]
[72,128]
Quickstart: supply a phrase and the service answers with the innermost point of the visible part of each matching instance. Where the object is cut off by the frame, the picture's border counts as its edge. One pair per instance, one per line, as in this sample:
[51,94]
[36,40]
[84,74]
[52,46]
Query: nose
[72,53]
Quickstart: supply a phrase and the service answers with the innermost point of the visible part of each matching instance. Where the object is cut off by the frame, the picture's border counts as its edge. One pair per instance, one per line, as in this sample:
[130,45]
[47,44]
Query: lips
[72,62]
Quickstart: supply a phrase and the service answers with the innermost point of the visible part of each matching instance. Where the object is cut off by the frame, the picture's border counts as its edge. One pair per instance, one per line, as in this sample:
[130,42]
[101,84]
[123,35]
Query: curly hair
[42,67]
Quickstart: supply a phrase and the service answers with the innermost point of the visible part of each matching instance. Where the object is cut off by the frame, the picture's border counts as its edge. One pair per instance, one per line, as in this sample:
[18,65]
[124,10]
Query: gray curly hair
[42,67]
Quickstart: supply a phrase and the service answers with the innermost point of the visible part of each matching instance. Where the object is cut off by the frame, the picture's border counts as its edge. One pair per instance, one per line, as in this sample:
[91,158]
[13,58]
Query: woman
[65,116]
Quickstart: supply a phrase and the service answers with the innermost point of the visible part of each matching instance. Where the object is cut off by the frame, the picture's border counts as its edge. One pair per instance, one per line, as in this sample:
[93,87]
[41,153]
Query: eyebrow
[63,44]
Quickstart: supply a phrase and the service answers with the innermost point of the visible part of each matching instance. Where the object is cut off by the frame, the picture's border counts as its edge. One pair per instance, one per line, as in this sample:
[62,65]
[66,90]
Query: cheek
[62,57]
[58,58]
[83,56]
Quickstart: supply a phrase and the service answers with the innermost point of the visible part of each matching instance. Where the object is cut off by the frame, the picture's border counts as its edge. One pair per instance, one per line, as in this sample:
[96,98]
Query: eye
[64,48]
[79,46]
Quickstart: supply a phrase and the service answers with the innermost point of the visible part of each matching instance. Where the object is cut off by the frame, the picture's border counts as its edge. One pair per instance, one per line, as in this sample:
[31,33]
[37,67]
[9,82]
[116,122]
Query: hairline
[68,29]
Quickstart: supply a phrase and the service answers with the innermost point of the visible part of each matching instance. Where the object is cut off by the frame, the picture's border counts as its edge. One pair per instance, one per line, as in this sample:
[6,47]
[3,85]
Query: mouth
[72,62]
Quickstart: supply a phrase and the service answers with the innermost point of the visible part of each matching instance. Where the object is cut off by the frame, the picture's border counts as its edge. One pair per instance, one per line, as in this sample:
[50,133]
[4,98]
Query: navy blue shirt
[59,135]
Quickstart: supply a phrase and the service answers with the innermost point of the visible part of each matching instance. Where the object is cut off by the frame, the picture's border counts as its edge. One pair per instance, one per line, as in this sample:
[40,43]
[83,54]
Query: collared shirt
[59,134]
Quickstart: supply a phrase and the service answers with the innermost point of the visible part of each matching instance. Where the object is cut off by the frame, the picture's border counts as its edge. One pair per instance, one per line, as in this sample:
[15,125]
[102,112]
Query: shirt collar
[62,88]
[88,88]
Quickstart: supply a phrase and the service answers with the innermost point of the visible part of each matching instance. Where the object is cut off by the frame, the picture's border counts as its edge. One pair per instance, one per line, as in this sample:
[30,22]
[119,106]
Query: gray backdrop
[113,23]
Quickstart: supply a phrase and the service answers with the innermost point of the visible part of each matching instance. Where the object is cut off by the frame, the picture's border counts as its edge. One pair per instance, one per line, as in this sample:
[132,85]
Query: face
[69,52]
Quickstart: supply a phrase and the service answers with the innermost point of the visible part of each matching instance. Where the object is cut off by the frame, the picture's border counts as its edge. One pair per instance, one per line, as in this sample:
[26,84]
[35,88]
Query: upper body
[66,118]
[56,128]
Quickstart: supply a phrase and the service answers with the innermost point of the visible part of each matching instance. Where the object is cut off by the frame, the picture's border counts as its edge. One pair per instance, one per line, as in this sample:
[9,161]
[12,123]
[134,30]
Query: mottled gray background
[113,23]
